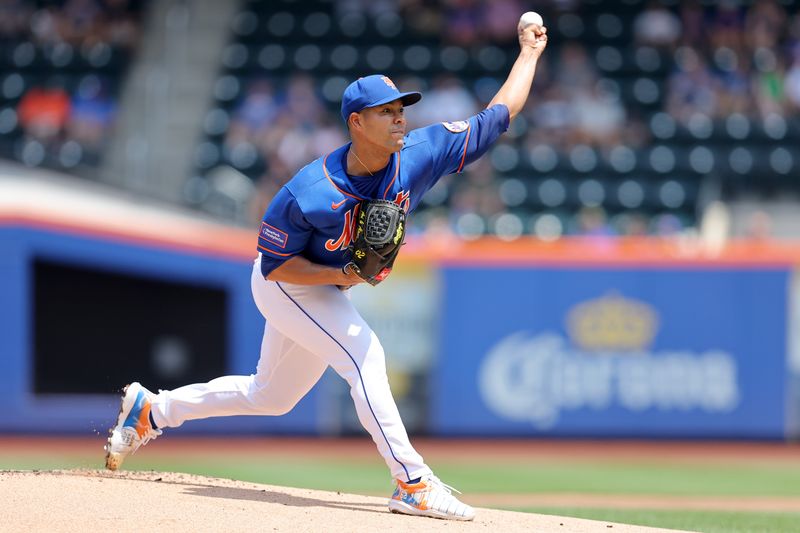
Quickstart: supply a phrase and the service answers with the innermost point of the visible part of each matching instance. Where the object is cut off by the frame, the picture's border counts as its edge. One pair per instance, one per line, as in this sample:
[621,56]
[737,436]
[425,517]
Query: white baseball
[531,17]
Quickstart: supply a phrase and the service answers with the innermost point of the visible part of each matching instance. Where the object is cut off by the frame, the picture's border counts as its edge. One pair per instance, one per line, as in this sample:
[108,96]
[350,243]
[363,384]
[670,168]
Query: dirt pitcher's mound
[93,500]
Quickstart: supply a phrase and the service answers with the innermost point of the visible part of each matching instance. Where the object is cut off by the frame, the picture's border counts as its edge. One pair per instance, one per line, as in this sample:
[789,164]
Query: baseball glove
[379,235]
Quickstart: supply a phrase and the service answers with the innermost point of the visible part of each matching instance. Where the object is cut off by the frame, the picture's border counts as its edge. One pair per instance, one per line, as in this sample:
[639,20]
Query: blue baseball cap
[372,91]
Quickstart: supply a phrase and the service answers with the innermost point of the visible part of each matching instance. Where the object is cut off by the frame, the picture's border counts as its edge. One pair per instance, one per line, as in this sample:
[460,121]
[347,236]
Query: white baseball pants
[308,328]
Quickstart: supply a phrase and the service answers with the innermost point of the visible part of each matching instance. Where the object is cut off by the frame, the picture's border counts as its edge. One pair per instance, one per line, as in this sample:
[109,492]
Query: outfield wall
[695,351]
[585,338]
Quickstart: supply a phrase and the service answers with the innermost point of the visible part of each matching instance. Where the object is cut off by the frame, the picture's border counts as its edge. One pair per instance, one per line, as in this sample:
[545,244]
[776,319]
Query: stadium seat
[453,58]
[13,86]
[307,57]
[672,194]
[700,126]
[543,158]
[344,57]
[24,55]
[513,192]
[504,157]
[551,192]
[548,225]
[380,58]
[648,60]
[272,57]
[662,126]
[738,126]
[609,58]
[622,159]
[506,226]
[206,155]
[629,194]
[592,193]
[317,25]
[70,155]
[280,24]
[702,160]
[583,158]
[227,88]
[333,87]
[570,25]
[784,160]
[661,159]
[741,160]
[245,25]
[216,122]
[470,226]
[417,58]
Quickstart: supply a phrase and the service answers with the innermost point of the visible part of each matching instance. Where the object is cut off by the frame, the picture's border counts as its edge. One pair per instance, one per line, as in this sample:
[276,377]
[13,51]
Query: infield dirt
[96,500]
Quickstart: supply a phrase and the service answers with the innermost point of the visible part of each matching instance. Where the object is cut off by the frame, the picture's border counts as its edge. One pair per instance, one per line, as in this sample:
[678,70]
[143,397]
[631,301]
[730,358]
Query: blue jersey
[314,214]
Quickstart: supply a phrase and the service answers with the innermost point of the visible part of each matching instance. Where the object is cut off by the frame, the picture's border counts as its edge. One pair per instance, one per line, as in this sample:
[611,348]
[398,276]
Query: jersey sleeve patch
[456,127]
[274,235]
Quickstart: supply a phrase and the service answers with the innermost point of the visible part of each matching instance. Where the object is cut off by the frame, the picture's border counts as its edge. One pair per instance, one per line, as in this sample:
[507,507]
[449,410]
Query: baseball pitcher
[339,222]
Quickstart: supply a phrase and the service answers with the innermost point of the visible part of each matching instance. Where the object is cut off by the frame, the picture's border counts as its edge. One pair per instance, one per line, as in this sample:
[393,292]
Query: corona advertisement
[582,352]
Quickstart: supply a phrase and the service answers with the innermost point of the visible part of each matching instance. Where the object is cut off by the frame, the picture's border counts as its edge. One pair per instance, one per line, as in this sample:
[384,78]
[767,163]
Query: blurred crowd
[598,88]
[727,60]
[79,23]
[721,59]
[72,127]
[458,22]
[58,83]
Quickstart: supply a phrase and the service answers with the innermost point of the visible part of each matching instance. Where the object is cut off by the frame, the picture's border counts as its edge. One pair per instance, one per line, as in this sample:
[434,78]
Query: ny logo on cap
[388,82]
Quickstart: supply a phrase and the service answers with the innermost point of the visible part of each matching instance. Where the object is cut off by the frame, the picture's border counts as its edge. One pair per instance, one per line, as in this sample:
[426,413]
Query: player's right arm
[284,234]
[514,92]
[453,145]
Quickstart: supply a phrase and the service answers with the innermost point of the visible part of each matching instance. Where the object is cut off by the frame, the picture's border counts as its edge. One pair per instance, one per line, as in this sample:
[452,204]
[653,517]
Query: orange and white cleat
[429,497]
[133,427]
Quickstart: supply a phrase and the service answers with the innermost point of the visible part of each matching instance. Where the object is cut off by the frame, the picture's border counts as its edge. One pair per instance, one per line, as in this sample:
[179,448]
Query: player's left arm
[515,90]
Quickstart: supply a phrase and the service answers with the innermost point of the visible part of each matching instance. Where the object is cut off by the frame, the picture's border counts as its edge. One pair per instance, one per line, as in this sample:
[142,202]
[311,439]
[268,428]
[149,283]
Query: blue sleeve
[284,231]
[455,145]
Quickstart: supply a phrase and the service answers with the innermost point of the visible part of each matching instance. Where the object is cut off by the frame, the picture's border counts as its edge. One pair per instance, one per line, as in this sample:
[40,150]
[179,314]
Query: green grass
[703,521]
[370,475]
[727,480]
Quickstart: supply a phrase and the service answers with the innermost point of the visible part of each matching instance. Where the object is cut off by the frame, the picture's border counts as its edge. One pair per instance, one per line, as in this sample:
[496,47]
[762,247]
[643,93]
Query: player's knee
[268,403]
[371,356]
[280,408]
[276,406]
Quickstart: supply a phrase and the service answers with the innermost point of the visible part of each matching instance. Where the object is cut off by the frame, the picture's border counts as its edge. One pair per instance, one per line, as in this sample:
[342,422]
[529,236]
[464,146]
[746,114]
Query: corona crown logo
[612,322]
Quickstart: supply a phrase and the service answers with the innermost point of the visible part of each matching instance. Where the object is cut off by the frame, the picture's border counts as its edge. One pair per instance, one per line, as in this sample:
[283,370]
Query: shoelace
[150,435]
[446,502]
[444,486]
[129,437]
[431,480]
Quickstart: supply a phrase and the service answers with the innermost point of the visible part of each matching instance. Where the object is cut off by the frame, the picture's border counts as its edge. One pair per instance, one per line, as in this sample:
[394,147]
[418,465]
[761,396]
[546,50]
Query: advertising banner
[679,352]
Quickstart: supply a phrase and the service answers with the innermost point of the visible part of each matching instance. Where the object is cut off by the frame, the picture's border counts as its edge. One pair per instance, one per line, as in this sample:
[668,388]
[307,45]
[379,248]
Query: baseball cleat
[133,427]
[429,497]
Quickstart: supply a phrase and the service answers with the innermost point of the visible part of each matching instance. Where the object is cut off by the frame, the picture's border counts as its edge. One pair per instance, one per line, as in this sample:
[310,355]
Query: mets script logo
[402,198]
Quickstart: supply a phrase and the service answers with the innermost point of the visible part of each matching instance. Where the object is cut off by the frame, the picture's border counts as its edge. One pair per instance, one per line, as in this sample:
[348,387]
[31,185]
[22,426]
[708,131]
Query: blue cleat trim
[133,417]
